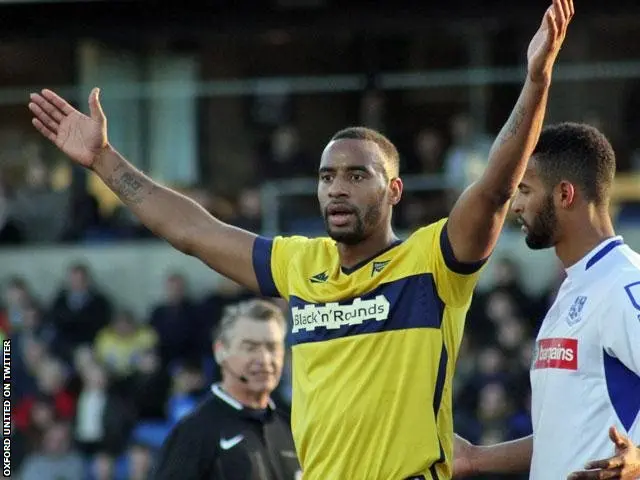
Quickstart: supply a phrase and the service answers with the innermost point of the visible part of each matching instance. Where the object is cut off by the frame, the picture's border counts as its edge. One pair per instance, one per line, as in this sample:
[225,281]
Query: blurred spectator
[16,299]
[467,156]
[40,210]
[427,154]
[249,211]
[79,311]
[84,220]
[51,382]
[175,321]
[122,342]
[56,459]
[148,387]
[103,421]
[10,232]
[141,462]
[493,412]
[31,353]
[284,157]
[188,389]
[226,293]
[507,279]
[372,109]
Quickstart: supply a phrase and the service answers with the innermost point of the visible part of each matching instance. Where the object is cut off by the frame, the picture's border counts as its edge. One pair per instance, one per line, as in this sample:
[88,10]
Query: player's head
[249,345]
[571,169]
[358,184]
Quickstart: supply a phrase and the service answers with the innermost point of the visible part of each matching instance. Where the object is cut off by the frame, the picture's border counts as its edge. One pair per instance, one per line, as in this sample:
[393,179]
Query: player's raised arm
[172,216]
[477,218]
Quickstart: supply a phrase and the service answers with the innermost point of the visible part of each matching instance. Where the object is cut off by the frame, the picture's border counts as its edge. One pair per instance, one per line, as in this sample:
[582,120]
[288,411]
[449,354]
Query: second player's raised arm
[477,218]
[182,222]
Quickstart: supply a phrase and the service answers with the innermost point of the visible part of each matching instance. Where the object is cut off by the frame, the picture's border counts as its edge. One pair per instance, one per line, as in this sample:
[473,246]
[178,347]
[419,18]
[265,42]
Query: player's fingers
[94,105]
[583,475]
[617,438]
[47,106]
[58,101]
[43,117]
[44,130]
[614,474]
[566,10]
[550,18]
[607,463]
[596,474]
[572,10]
[559,14]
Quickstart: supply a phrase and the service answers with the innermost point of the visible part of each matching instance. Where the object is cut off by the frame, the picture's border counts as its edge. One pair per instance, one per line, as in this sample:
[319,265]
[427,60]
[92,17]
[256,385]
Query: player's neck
[247,398]
[352,255]
[582,236]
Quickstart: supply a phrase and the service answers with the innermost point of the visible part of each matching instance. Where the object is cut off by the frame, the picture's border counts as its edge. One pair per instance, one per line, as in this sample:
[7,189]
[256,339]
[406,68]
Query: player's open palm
[79,136]
[547,41]
[624,465]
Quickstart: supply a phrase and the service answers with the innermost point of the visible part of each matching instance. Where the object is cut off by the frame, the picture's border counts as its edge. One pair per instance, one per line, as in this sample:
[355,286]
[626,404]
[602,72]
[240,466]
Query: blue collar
[600,254]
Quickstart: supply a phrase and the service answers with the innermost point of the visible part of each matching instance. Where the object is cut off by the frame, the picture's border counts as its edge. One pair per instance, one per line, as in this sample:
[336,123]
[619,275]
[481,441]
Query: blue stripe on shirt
[262,248]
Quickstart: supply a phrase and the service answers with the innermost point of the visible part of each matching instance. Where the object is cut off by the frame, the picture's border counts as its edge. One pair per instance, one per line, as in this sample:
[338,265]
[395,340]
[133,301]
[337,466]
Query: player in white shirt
[585,374]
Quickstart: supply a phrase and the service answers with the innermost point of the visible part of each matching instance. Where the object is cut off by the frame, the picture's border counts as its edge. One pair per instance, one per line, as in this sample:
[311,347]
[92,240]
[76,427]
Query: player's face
[256,351]
[535,208]
[353,190]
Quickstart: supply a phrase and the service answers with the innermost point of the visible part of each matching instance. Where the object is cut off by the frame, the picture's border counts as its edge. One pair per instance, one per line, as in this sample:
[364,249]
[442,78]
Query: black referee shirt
[223,440]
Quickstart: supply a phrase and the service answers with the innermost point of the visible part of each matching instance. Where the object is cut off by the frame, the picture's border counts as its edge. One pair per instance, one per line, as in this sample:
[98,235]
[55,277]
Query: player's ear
[567,193]
[395,187]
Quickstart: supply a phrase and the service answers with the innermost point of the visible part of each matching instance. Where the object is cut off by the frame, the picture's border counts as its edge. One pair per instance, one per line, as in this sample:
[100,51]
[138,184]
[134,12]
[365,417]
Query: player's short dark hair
[392,157]
[580,154]
[254,309]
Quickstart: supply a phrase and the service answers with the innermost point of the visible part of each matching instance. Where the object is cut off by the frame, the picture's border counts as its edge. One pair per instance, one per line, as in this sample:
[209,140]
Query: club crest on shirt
[575,312]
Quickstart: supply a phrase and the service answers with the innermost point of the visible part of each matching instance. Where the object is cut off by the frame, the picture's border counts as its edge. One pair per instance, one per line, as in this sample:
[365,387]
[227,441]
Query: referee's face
[256,353]
[353,190]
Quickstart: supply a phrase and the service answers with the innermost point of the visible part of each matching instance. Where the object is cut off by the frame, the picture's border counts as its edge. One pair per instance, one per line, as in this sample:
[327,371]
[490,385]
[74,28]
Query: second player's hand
[81,137]
[625,465]
[547,41]
[463,455]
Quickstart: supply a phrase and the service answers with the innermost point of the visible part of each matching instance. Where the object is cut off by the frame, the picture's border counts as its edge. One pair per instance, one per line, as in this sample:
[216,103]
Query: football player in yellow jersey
[377,321]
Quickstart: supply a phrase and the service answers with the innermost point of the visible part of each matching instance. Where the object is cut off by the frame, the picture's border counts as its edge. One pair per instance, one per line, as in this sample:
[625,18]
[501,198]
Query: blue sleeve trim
[623,386]
[262,248]
[450,259]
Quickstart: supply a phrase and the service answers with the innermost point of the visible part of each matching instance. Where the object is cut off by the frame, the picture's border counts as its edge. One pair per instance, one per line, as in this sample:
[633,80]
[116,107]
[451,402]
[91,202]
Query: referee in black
[237,433]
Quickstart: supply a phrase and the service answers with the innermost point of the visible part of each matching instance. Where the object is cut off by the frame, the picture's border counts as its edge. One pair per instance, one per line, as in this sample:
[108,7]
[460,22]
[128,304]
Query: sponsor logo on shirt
[333,315]
[559,353]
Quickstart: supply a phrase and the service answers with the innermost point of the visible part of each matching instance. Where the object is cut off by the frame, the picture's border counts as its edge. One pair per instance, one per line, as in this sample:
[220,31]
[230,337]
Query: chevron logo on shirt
[378,266]
[319,278]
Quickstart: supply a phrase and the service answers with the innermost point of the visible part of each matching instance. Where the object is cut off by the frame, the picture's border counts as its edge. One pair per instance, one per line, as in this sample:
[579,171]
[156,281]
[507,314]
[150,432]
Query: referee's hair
[392,157]
[254,309]
[580,154]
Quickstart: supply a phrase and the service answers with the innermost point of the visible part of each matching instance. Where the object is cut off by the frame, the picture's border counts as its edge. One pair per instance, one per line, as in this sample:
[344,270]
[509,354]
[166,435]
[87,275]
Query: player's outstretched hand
[624,465]
[547,41]
[81,137]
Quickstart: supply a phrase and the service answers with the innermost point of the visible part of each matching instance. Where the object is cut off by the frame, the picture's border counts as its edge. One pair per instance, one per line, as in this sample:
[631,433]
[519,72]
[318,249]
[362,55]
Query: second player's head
[571,170]
[358,184]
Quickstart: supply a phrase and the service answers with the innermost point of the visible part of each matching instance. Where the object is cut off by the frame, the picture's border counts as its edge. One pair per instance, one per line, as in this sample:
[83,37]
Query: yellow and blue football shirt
[374,350]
